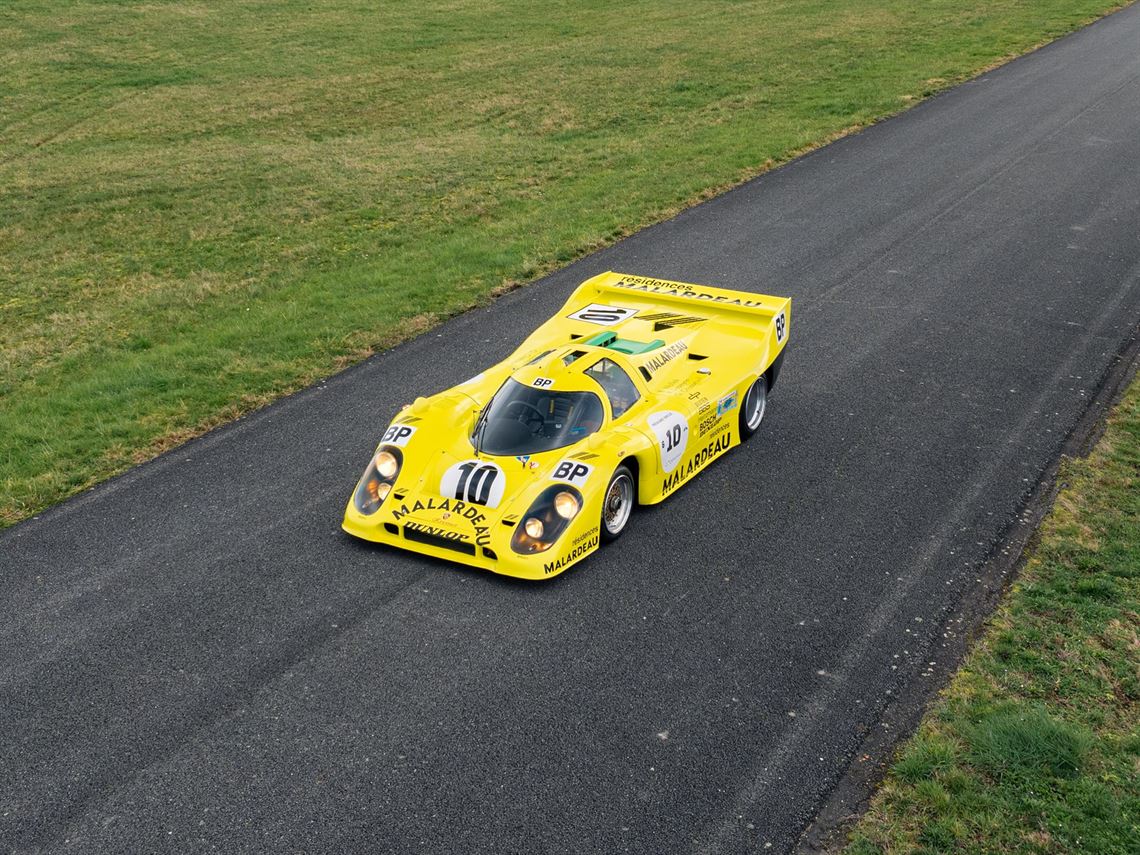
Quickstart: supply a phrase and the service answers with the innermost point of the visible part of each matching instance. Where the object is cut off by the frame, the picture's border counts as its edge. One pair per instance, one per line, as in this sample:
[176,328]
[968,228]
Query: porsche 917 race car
[634,387]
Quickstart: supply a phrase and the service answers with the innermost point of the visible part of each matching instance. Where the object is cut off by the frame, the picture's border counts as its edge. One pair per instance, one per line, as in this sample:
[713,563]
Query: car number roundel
[672,430]
[478,482]
[605,316]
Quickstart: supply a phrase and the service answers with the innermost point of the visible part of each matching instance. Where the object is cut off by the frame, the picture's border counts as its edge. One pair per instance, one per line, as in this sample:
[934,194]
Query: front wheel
[617,504]
[752,411]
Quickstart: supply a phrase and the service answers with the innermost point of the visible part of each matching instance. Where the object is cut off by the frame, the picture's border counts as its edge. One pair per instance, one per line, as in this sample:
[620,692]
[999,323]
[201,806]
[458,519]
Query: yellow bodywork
[691,351]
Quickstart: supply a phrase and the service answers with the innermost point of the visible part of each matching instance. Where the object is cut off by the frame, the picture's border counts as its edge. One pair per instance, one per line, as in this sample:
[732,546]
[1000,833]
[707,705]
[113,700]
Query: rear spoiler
[656,291]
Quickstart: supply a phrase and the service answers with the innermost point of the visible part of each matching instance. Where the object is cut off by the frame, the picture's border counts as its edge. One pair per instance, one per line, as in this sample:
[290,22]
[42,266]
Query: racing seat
[561,409]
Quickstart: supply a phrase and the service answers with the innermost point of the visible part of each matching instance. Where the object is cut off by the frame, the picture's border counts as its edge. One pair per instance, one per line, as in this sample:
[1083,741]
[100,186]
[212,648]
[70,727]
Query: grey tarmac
[194,657]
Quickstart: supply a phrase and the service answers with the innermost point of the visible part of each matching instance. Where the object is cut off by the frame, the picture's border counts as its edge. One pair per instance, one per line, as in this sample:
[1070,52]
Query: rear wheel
[617,504]
[752,410]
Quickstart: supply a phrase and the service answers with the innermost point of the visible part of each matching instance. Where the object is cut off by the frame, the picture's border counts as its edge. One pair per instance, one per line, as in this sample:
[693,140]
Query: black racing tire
[617,504]
[753,407]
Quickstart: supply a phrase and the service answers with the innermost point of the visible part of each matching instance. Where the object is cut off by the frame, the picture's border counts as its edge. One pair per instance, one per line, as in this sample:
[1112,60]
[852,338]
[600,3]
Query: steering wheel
[528,418]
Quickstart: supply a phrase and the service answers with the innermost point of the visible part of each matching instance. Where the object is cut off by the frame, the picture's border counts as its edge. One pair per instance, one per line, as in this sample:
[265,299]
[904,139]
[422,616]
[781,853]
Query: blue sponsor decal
[728,402]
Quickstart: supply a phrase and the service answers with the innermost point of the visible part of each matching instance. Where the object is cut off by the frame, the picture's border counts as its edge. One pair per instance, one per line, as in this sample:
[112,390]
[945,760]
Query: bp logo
[781,326]
[397,435]
[480,482]
[571,471]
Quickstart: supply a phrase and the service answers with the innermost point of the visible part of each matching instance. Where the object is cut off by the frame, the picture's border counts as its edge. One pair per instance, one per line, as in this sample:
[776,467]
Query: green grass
[206,205]
[1035,745]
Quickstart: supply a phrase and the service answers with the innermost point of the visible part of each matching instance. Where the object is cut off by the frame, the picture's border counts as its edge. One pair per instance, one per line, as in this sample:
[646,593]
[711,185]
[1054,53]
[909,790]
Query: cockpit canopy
[529,420]
[556,399]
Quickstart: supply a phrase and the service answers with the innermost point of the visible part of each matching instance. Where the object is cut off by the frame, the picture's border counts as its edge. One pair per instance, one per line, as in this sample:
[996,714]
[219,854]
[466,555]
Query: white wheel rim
[755,402]
[618,504]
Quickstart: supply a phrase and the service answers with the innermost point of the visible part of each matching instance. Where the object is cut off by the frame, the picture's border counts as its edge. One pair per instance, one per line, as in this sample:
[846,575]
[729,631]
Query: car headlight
[387,466]
[378,478]
[566,505]
[546,519]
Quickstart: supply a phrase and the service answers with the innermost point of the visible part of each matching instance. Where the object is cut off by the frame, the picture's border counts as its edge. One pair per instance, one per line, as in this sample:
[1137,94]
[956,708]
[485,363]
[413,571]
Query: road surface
[194,656]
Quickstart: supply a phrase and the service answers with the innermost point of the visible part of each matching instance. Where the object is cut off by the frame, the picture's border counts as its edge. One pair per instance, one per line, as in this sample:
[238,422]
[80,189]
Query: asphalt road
[193,655]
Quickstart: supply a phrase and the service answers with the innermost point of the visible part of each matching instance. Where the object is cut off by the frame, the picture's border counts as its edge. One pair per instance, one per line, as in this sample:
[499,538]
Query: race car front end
[528,524]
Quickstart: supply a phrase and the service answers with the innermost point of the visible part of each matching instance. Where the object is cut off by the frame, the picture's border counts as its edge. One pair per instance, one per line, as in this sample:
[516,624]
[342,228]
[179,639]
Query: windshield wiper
[480,427]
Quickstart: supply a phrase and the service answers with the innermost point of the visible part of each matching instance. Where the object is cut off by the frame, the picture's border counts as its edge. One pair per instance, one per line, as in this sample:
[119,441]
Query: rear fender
[773,371]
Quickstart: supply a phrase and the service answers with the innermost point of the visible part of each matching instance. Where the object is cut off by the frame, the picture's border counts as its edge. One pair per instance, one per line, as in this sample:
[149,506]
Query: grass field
[204,205]
[1035,745]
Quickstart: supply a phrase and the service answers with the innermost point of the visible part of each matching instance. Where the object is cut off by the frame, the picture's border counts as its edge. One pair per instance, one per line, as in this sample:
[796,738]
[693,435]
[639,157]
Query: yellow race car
[632,389]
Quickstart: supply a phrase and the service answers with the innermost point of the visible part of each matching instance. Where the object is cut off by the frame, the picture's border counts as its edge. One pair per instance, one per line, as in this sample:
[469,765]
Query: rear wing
[649,291]
[615,290]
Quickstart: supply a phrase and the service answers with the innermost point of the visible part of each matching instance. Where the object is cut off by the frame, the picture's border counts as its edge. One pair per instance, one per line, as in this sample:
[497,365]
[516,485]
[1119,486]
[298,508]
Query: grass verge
[1035,745]
[204,205]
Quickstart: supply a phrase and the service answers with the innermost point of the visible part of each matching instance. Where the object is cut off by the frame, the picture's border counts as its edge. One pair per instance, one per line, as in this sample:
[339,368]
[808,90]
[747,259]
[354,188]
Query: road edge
[850,796]
[160,449]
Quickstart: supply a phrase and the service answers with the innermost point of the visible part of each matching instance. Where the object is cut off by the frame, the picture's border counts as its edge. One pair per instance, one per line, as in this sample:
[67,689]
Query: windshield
[525,420]
[616,383]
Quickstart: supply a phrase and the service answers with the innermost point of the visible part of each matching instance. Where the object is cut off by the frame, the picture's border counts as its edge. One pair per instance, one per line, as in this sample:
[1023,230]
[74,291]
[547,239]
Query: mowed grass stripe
[206,205]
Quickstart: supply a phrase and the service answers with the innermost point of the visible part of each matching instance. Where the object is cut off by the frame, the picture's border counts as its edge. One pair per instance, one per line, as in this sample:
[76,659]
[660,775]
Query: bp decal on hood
[397,435]
[571,471]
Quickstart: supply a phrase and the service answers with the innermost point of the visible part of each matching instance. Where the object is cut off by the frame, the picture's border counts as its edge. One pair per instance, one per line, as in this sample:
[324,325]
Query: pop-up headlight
[376,484]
